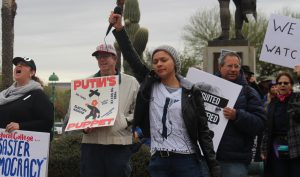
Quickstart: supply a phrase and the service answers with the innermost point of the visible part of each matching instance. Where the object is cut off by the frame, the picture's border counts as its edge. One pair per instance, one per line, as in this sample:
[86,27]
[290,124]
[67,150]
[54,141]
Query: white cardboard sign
[94,102]
[24,153]
[217,93]
[281,43]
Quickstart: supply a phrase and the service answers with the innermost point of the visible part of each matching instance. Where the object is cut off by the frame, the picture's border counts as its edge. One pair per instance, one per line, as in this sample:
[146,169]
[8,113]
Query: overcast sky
[60,35]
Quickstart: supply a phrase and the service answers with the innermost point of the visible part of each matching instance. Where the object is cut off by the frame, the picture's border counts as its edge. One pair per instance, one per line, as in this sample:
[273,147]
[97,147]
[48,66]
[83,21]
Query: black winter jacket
[192,104]
[292,113]
[238,137]
[33,112]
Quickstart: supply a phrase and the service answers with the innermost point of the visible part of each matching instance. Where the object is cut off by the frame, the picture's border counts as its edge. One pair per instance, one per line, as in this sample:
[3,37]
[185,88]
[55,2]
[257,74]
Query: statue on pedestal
[243,7]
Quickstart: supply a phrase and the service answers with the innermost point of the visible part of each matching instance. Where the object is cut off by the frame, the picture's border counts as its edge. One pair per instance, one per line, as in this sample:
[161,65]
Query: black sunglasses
[284,83]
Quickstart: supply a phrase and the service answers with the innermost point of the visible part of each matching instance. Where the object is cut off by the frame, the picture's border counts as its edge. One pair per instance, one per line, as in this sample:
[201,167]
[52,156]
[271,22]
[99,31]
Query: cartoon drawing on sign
[94,92]
[95,113]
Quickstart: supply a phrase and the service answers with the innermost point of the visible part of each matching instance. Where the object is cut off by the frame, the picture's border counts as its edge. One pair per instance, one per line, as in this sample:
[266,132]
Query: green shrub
[139,162]
[65,158]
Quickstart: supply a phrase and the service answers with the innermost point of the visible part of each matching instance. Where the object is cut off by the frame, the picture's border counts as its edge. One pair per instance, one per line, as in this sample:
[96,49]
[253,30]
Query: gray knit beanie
[172,52]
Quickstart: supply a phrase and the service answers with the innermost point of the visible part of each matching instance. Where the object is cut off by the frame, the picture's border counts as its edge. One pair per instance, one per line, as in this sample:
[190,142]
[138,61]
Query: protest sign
[217,93]
[281,43]
[94,102]
[24,153]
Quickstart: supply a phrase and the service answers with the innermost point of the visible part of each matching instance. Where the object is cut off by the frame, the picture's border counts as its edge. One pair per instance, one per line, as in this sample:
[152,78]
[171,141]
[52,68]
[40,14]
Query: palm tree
[9,8]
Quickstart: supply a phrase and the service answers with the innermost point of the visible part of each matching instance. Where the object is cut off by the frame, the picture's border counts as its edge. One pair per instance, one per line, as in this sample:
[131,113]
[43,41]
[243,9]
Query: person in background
[280,148]
[251,80]
[170,110]
[264,86]
[24,105]
[245,121]
[273,91]
[105,151]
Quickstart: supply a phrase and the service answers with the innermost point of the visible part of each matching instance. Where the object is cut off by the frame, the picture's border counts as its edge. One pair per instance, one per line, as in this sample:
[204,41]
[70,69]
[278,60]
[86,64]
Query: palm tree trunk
[9,8]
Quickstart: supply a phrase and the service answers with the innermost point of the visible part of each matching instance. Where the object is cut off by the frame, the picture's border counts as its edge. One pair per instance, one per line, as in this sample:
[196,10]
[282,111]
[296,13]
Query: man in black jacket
[245,121]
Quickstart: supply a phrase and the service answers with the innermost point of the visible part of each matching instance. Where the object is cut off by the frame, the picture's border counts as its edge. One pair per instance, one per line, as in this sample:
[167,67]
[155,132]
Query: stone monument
[238,43]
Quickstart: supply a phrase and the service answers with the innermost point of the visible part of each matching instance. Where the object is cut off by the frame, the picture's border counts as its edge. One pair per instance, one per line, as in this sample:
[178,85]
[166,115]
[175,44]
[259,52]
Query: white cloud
[61,34]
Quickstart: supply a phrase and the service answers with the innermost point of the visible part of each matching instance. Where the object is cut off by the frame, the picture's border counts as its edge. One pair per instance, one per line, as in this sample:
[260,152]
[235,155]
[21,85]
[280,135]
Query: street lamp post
[53,78]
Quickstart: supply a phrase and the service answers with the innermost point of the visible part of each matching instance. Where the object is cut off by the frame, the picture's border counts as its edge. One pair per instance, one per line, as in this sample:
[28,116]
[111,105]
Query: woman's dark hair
[285,74]
[37,79]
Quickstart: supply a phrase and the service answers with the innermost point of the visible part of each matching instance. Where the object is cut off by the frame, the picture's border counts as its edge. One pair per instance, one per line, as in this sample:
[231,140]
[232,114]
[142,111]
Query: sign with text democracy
[281,43]
[24,153]
[217,93]
[94,102]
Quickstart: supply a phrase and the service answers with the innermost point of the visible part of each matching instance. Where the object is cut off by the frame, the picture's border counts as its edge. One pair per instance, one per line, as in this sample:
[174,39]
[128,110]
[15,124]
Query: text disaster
[15,159]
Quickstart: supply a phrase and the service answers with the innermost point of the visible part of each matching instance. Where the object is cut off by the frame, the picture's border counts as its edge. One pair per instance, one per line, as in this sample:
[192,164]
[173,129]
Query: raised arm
[129,53]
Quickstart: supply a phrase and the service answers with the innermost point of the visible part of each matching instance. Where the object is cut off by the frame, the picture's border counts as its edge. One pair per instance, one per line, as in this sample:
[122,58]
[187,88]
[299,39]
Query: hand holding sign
[218,100]
[229,113]
[12,126]
[88,130]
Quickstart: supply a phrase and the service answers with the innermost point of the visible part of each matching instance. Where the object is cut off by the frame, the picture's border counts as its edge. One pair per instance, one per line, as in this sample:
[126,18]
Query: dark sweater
[33,112]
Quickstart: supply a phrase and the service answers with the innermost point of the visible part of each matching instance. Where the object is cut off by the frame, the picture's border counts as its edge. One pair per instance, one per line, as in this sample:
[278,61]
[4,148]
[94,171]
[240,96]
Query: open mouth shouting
[18,71]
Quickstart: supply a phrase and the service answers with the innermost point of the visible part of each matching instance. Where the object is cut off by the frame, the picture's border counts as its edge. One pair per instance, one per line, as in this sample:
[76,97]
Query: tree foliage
[205,25]
[62,100]
[188,61]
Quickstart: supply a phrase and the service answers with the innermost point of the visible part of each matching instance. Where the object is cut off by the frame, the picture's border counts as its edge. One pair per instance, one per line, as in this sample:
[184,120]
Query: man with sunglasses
[245,120]
[106,151]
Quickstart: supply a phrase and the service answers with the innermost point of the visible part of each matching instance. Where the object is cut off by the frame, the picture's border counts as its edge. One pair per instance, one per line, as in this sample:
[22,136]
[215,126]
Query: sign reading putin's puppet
[94,102]
[24,153]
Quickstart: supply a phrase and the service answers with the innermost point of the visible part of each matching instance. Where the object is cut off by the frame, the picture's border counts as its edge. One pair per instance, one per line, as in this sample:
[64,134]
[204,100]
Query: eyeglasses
[283,83]
[235,66]
[103,55]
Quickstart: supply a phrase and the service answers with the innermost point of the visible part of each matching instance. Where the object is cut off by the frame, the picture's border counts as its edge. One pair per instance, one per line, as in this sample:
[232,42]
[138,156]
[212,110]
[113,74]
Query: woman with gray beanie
[169,110]
[24,105]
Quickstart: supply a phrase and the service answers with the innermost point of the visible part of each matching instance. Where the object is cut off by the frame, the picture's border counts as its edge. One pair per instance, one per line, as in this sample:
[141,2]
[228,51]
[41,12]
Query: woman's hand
[12,126]
[116,20]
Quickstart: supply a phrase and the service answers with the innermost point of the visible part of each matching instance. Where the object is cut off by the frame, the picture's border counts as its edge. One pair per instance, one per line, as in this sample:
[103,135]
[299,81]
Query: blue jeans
[105,160]
[205,169]
[181,165]
[233,169]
